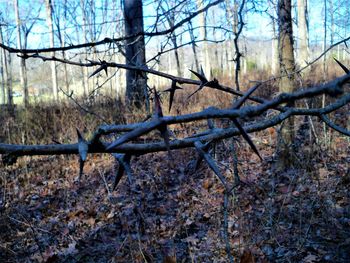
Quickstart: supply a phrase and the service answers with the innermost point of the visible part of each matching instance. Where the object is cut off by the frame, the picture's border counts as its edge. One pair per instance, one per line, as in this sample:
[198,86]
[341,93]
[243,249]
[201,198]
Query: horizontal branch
[97,146]
[145,69]
[135,148]
[331,88]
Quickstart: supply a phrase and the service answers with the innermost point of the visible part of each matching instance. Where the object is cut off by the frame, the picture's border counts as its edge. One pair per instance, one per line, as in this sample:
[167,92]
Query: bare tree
[2,90]
[325,39]
[193,45]
[332,20]
[23,67]
[3,71]
[236,14]
[52,44]
[170,17]
[60,16]
[274,43]
[203,36]
[136,83]
[303,33]
[287,68]
[6,64]
[86,38]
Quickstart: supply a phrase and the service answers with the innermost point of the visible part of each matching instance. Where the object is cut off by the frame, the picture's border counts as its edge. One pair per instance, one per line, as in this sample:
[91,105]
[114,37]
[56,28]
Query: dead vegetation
[173,212]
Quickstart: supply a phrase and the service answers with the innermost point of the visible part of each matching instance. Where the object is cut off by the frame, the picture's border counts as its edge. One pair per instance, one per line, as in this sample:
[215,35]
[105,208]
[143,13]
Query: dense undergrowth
[173,212]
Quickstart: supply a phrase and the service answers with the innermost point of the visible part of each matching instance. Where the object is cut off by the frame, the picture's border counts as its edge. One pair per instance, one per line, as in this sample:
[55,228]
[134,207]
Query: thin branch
[322,54]
[227,240]
[332,125]
[112,40]
[238,55]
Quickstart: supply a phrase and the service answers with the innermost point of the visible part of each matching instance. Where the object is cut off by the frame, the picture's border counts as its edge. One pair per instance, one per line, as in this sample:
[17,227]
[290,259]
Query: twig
[235,163]
[226,238]
[102,175]
[70,96]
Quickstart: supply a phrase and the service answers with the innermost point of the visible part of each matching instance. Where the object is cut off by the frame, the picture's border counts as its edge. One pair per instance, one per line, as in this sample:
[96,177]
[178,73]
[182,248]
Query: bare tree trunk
[7,70]
[65,72]
[325,41]
[216,50]
[9,80]
[170,16]
[274,42]
[82,69]
[62,43]
[120,81]
[92,31]
[303,33]
[193,45]
[136,83]
[229,56]
[331,12]
[232,18]
[238,27]
[203,36]
[23,68]
[85,36]
[3,71]
[275,60]
[52,44]
[346,27]
[176,53]
[2,90]
[287,67]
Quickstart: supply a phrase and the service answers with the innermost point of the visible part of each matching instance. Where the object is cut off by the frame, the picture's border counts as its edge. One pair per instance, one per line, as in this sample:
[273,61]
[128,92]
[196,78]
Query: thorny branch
[102,64]
[135,130]
[123,149]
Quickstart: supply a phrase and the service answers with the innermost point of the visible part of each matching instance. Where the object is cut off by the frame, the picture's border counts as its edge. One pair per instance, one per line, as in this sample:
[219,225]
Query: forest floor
[174,213]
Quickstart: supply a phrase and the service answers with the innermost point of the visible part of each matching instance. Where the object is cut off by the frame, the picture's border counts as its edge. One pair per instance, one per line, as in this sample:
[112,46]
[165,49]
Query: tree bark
[23,68]
[52,44]
[287,67]
[303,33]
[136,83]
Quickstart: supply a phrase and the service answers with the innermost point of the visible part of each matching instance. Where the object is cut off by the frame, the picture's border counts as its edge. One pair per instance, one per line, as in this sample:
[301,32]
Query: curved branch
[334,126]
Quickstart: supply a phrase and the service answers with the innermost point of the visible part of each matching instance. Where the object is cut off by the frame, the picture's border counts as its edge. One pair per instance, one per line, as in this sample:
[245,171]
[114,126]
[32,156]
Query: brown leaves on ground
[174,215]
